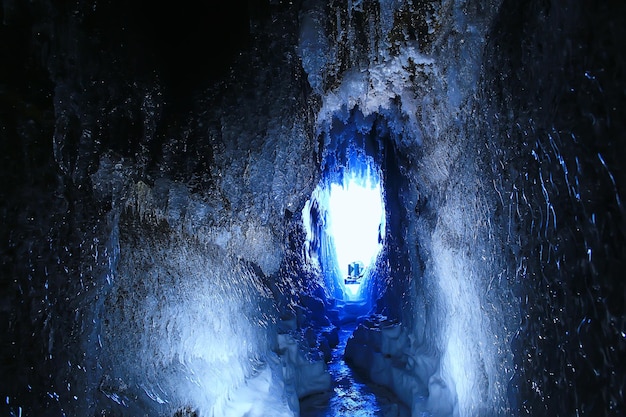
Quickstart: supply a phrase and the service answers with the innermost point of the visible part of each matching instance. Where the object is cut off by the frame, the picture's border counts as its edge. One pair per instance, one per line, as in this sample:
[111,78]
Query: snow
[262,395]
[306,375]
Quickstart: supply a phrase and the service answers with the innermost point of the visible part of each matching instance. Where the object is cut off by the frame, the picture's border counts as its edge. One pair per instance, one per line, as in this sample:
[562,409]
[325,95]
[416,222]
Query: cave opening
[349,221]
[352,224]
[345,218]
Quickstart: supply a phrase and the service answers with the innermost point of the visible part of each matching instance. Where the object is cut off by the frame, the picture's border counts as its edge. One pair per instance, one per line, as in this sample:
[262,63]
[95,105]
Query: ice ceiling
[167,220]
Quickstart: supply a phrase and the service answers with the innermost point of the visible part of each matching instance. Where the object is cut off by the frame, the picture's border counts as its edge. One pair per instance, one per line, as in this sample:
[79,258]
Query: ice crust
[210,317]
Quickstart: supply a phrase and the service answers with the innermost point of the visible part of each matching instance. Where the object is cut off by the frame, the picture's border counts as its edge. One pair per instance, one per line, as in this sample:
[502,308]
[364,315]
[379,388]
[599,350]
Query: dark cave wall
[56,238]
[552,98]
[102,122]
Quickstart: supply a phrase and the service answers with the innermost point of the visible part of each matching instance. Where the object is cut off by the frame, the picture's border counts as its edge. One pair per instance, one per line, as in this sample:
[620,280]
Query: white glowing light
[355,214]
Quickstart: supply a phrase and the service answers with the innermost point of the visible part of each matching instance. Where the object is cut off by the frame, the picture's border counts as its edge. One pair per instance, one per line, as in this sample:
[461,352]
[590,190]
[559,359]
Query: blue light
[344,223]
[355,213]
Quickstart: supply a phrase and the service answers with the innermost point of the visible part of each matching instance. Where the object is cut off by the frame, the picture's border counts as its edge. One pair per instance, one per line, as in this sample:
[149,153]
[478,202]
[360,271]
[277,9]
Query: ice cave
[315,208]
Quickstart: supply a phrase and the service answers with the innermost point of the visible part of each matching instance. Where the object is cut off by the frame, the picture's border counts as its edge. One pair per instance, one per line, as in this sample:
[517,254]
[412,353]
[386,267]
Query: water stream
[352,395]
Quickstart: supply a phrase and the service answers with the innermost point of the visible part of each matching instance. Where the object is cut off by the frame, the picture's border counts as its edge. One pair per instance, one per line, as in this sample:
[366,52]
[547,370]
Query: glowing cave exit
[351,227]
[355,219]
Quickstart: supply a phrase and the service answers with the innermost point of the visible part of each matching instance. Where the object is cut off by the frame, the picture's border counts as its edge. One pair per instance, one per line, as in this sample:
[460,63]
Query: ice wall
[151,200]
[197,305]
[153,278]
[505,202]
[446,263]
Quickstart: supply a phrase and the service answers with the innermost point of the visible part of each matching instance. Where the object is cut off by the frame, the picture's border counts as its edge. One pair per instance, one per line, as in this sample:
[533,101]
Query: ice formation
[166,207]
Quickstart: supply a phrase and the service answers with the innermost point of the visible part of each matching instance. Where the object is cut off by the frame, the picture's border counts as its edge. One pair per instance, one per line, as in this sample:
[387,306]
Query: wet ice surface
[352,396]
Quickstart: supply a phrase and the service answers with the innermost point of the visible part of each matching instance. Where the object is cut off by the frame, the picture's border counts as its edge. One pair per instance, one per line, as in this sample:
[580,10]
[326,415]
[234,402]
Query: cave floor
[352,395]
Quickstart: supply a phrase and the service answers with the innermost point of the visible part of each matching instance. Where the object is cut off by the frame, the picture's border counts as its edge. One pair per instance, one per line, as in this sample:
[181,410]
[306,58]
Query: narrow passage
[352,395]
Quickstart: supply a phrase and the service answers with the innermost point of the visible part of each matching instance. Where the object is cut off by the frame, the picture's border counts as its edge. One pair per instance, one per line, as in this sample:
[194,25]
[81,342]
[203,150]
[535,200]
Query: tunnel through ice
[345,221]
[160,257]
[345,217]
